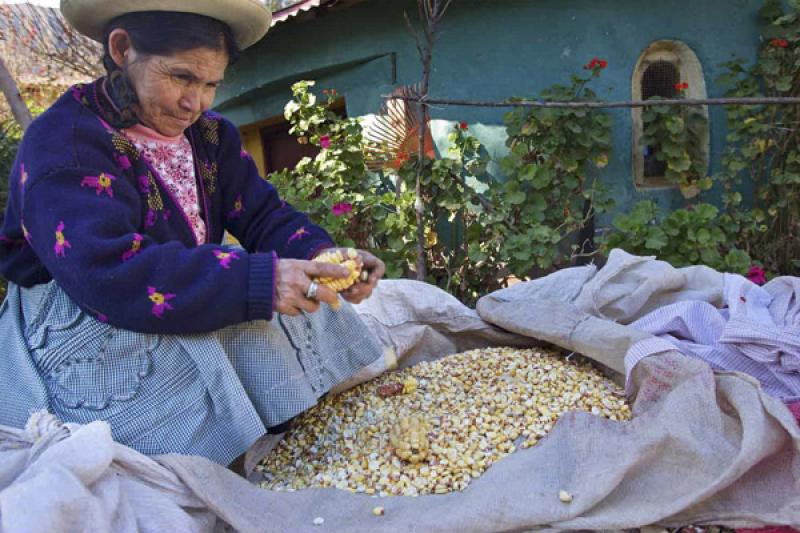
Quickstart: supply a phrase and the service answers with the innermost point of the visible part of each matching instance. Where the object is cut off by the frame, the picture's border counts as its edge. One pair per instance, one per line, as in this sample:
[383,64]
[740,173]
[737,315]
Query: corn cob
[349,259]
[409,438]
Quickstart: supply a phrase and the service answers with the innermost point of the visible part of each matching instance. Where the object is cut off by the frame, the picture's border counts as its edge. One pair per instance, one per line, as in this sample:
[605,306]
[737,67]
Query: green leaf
[706,211]
[515,198]
[542,178]
[656,238]
[680,164]
[737,261]
[703,236]
[784,84]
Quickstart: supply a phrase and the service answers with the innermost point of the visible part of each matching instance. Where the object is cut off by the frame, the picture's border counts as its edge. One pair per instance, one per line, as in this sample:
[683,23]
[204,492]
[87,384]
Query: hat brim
[249,20]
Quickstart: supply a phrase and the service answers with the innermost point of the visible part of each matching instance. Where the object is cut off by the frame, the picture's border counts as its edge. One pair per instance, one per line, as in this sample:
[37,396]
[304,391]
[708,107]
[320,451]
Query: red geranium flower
[464,126]
[342,208]
[757,275]
[779,43]
[595,63]
[681,86]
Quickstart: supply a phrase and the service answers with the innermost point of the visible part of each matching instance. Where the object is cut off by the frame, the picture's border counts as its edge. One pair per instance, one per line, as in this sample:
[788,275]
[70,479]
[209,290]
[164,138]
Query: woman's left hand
[361,290]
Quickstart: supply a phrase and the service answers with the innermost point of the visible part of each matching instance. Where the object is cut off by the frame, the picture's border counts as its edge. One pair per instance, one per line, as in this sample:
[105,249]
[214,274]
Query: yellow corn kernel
[468,411]
[349,259]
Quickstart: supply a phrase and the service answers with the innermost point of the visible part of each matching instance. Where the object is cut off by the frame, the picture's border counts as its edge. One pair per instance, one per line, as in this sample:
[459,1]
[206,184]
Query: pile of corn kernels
[476,407]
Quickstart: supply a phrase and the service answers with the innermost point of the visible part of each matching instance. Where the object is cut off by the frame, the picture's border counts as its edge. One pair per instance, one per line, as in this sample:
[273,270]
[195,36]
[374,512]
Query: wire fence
[752,101]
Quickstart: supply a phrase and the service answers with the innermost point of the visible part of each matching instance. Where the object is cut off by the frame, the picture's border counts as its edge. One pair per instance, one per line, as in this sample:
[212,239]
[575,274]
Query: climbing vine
[676,135]
[478,232]
[761,162]
[758,226]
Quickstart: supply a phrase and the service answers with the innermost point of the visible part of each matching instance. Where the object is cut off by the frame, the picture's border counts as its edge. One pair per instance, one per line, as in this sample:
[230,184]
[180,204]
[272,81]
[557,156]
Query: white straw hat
[249,20]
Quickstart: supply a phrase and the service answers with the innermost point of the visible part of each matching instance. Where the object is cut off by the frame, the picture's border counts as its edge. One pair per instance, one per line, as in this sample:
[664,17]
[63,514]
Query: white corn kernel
[456,417]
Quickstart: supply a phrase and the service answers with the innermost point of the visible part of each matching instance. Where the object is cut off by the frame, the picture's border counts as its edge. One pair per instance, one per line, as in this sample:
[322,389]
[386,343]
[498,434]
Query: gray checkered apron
[205,394]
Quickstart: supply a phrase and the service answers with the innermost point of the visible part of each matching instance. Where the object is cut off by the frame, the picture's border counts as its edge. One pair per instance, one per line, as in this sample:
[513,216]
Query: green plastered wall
[492,50]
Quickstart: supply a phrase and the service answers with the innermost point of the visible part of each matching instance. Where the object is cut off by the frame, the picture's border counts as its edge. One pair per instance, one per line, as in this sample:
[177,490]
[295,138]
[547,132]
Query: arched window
[660,67]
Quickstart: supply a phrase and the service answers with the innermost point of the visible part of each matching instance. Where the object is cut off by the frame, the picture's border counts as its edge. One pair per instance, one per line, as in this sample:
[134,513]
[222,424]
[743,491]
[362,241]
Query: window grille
[660,67]
[659,79]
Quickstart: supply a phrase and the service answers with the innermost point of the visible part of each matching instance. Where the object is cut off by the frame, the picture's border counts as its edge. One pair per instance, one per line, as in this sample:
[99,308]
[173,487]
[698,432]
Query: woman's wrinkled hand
[292,279]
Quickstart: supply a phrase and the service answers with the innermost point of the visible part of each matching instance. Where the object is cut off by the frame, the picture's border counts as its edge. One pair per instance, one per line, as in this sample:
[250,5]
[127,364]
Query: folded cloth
[757,331]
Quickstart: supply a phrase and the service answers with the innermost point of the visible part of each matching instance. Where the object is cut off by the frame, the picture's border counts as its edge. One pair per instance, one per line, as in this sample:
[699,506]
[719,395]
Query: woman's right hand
[292,278]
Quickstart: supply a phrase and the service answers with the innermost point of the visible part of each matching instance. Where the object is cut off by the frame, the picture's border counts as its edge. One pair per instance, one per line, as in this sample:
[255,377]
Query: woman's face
[174,90]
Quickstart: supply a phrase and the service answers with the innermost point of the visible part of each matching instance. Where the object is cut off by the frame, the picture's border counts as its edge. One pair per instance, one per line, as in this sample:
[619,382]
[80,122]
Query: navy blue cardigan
[86,210]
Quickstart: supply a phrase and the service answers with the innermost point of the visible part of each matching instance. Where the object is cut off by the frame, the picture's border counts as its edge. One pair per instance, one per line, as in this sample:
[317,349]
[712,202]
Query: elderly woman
[123,305]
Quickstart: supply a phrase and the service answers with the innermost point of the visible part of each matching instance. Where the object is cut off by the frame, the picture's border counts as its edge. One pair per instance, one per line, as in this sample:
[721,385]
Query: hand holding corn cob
[353,272]
[364,271]
[347,258]
[293,281]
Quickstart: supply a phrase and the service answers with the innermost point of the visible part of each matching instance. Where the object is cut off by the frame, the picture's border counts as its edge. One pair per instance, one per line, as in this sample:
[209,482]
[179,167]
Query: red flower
[325,141]
[596,63]
[779,43]
[342,208]
[757,275]
[464,126]
[681,86]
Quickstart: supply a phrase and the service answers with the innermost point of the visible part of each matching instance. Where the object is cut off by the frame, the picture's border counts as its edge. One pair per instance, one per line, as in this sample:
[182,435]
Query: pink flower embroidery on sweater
[298,235]
[144,184]
[238,208]
[135,248]
[123,161]
[101,183]
[61,242]
[23,174]
[150,219]
[225,258]
[160,301]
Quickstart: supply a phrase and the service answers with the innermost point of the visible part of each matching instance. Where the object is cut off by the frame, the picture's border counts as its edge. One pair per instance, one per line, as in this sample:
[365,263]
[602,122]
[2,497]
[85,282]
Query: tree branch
[10,90]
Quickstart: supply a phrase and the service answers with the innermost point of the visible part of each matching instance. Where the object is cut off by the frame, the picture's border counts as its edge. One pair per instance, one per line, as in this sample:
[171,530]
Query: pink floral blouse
[172,158]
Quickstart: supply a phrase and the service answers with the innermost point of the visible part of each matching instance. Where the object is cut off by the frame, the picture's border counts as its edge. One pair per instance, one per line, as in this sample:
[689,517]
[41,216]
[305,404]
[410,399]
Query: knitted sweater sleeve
[253,211]
[82,222]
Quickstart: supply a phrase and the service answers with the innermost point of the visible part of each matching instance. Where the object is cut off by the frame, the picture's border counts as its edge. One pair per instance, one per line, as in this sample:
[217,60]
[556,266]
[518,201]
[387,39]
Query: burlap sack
[702,447]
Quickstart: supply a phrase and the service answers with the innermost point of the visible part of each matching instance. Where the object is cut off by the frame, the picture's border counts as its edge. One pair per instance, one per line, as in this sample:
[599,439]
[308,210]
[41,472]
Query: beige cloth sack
[702,447]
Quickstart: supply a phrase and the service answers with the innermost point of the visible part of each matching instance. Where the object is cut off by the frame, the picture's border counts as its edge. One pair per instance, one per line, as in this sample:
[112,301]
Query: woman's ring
[311,293]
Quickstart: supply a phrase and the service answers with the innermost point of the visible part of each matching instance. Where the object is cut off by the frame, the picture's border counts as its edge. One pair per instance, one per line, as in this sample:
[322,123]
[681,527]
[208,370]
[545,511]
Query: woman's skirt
[208,394]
